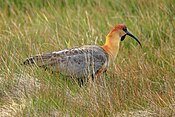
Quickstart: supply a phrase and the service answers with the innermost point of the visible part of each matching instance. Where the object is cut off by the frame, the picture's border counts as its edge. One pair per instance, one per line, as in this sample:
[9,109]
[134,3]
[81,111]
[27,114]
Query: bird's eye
[125,29]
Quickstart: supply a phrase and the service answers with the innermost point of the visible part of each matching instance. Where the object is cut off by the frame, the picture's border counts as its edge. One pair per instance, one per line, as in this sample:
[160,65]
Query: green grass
[141,79]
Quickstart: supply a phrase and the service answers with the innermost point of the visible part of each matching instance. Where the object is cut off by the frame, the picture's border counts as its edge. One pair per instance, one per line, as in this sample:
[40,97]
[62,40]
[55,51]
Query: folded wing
[77,62]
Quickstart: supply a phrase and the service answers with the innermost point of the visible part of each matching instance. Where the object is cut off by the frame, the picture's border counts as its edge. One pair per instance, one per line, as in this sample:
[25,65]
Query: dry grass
[142,80]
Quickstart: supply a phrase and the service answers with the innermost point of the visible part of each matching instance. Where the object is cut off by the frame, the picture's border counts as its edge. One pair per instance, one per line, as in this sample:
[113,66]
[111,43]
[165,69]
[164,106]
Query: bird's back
[76,62]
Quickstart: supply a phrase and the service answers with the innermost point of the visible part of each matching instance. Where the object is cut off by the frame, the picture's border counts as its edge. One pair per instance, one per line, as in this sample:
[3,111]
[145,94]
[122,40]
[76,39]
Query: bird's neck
[111,46]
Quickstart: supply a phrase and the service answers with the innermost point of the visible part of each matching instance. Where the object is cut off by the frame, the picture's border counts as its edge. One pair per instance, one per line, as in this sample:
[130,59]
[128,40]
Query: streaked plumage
[76,62]
[90,60]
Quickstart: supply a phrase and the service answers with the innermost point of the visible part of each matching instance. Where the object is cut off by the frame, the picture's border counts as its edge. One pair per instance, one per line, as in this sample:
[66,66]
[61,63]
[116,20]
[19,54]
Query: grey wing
[78,62]
[87,61]
[99,58]
[46,59]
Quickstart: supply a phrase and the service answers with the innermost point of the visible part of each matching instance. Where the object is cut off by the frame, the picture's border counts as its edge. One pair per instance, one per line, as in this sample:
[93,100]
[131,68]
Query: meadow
[140,83]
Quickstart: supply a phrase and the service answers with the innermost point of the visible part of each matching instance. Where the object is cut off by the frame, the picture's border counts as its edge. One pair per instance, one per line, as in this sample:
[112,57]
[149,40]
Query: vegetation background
[141,83]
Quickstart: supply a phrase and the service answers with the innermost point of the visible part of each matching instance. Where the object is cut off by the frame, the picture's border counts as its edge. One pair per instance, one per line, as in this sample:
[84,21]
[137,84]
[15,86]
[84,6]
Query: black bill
[131,35]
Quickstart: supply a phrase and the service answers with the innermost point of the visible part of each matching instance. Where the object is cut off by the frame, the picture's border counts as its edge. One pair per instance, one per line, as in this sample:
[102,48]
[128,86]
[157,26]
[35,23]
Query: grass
[140,79]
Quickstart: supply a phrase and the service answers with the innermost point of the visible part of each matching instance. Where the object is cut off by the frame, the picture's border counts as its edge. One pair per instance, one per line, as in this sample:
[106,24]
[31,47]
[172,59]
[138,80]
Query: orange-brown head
[117,34]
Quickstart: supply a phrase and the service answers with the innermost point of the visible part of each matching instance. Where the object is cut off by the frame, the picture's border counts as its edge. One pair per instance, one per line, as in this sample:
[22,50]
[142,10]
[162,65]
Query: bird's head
[119,32]
[113,39]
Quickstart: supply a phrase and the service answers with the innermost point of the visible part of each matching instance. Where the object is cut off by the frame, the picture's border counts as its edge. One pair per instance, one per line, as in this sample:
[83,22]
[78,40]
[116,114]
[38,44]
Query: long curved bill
[131,35]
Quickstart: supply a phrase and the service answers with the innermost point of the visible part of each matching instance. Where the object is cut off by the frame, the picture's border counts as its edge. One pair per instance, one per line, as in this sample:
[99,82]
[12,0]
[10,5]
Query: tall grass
[141,79]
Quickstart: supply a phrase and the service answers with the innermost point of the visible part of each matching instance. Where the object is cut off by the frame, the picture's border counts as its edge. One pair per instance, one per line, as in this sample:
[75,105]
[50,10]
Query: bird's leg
[93,77]
[45,68]
[80,82]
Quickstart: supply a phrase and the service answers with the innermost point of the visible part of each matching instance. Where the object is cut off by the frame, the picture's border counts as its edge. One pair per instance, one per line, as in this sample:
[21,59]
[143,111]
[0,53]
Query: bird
[85,61]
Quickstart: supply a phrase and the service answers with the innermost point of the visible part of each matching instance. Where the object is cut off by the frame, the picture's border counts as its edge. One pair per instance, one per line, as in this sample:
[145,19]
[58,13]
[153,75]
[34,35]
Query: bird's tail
[39,60]
[31,60]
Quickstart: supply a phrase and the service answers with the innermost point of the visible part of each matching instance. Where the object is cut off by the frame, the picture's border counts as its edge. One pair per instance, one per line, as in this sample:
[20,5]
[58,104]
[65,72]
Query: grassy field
[142,81]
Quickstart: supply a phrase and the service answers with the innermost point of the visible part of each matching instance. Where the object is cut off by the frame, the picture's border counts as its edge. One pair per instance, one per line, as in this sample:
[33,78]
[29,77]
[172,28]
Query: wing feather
[78,62]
